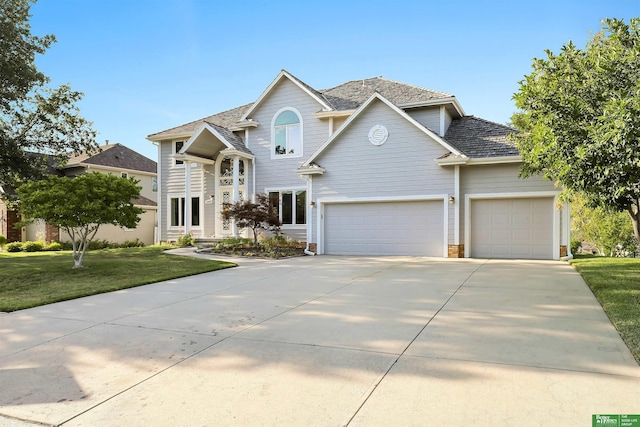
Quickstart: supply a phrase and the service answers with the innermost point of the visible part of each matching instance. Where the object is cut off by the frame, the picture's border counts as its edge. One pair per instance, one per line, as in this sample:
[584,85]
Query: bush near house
[14,247]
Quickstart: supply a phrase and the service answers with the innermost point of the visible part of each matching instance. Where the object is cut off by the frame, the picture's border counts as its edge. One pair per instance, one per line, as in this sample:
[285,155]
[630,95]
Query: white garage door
[512,228]
[384,228]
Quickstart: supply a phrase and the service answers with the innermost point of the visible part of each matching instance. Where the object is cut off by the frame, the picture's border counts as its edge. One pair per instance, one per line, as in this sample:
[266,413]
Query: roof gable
[305,87]
[362,109]
[228,138]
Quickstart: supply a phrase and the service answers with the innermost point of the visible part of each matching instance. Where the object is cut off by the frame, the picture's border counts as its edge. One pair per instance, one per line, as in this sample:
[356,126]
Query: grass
[38,278]
[616,284]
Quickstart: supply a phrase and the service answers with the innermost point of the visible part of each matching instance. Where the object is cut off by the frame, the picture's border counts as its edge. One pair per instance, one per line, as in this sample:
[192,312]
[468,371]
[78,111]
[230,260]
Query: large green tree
[33,116]
[80,205]
[580,110]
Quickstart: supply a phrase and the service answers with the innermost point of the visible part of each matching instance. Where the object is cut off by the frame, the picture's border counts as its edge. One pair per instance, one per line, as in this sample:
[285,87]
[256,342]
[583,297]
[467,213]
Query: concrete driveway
[324,341]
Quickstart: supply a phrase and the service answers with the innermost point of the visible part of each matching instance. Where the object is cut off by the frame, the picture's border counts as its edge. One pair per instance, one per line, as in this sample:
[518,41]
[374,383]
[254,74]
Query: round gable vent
[378,135]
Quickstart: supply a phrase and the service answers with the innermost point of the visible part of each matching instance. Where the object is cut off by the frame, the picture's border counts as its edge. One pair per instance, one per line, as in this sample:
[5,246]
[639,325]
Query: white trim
[175,152]
[321,202]
[160,231]
[331,114]
[273,134]
[279,77]
[442,121]
[515,195]
[293,190]
[495,160]
[171,136]
[450,100]
[197,133]
[456,205]
[181,195]
[363,107]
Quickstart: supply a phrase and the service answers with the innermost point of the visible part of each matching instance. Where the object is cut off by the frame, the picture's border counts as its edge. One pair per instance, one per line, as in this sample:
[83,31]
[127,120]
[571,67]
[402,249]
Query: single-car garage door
[512,228]
[384,228]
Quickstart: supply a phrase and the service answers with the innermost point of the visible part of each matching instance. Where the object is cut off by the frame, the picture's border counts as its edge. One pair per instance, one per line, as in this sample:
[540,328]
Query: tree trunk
[635,219]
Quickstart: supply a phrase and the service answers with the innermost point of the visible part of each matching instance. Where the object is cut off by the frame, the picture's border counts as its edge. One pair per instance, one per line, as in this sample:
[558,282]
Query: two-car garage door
[385,228]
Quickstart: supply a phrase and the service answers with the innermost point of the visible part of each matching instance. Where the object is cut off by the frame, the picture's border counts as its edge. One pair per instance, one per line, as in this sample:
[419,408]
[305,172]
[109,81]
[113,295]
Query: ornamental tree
[80,205]
[256,216]
[580,112]
[33,116]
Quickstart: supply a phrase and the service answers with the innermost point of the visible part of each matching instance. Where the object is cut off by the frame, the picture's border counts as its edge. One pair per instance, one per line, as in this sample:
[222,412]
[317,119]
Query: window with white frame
[124,175]
[177,211]
[154,184]
[177,146]
[287,134]
[290,205]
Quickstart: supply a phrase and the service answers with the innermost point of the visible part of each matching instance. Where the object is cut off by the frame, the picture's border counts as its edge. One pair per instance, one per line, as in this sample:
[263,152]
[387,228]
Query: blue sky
[148,65]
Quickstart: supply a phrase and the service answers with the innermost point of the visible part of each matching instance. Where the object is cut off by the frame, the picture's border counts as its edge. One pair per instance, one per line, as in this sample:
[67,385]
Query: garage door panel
[512,228]
[387,228]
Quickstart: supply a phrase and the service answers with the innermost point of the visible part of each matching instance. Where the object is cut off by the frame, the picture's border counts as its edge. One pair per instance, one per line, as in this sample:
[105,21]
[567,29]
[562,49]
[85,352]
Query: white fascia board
[389,104]
[335,113]
[192,158]
[442,101]
[311,171]
[235,152]
[293,80]
[250,123]
[495,160]
[169,136]
[452,161]
[201,129]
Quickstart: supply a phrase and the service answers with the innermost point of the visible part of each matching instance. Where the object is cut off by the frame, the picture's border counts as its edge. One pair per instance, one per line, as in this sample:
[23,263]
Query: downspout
[309,214]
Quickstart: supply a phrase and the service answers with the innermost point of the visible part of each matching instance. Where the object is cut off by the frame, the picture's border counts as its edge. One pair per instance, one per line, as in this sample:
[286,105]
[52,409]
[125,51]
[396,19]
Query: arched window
[287,134]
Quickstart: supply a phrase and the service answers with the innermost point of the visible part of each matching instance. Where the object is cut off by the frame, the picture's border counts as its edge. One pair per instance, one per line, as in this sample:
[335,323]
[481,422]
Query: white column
[456,206]
[187,197]
[236,188]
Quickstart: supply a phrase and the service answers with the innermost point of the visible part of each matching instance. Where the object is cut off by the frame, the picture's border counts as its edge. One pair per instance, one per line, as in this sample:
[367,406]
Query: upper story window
[154,184]
[177,146]
[124,175]
[287,134]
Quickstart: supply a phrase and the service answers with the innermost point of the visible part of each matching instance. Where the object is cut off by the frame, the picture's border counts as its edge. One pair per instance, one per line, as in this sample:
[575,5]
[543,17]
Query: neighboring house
[369,167]
[113,159]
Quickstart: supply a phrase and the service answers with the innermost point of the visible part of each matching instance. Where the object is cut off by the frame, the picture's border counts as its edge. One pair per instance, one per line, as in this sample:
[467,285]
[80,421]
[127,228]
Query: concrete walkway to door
[324,341]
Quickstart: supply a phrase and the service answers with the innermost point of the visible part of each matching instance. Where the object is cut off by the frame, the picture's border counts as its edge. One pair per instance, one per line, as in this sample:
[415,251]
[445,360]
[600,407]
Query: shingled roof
[225,119]
[347,96]
[479,138]
[353,94]
[115,156]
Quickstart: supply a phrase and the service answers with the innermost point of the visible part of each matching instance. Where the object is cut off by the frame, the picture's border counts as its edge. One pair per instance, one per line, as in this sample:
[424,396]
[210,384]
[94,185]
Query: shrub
[33,246]
[53,246]
[575,245]
[14,247]
[230,242]
[185,240]
[95,245]
[278,241]
[3,241]
[131,244]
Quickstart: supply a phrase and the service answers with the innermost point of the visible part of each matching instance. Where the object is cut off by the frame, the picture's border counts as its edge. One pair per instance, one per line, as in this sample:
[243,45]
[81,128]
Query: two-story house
[115,159]
[369,167]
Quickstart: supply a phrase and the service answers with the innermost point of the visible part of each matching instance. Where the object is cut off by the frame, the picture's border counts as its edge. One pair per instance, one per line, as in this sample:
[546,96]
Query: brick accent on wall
[563,251]
[52,233]
[456,251]
[313,247]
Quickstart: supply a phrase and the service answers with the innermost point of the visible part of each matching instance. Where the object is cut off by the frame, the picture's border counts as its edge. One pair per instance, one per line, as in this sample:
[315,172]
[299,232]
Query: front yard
[38,278]
[616,284]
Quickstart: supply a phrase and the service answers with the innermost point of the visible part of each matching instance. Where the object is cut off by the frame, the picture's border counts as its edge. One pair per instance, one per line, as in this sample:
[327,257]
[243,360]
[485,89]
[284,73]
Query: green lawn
[616,284]
[37,278]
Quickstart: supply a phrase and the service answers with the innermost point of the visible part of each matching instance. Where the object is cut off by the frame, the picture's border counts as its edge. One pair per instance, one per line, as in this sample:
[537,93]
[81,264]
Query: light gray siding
[173,185]
[499,178]
[281,173]
[402,166]
[447,121]
[428,117]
